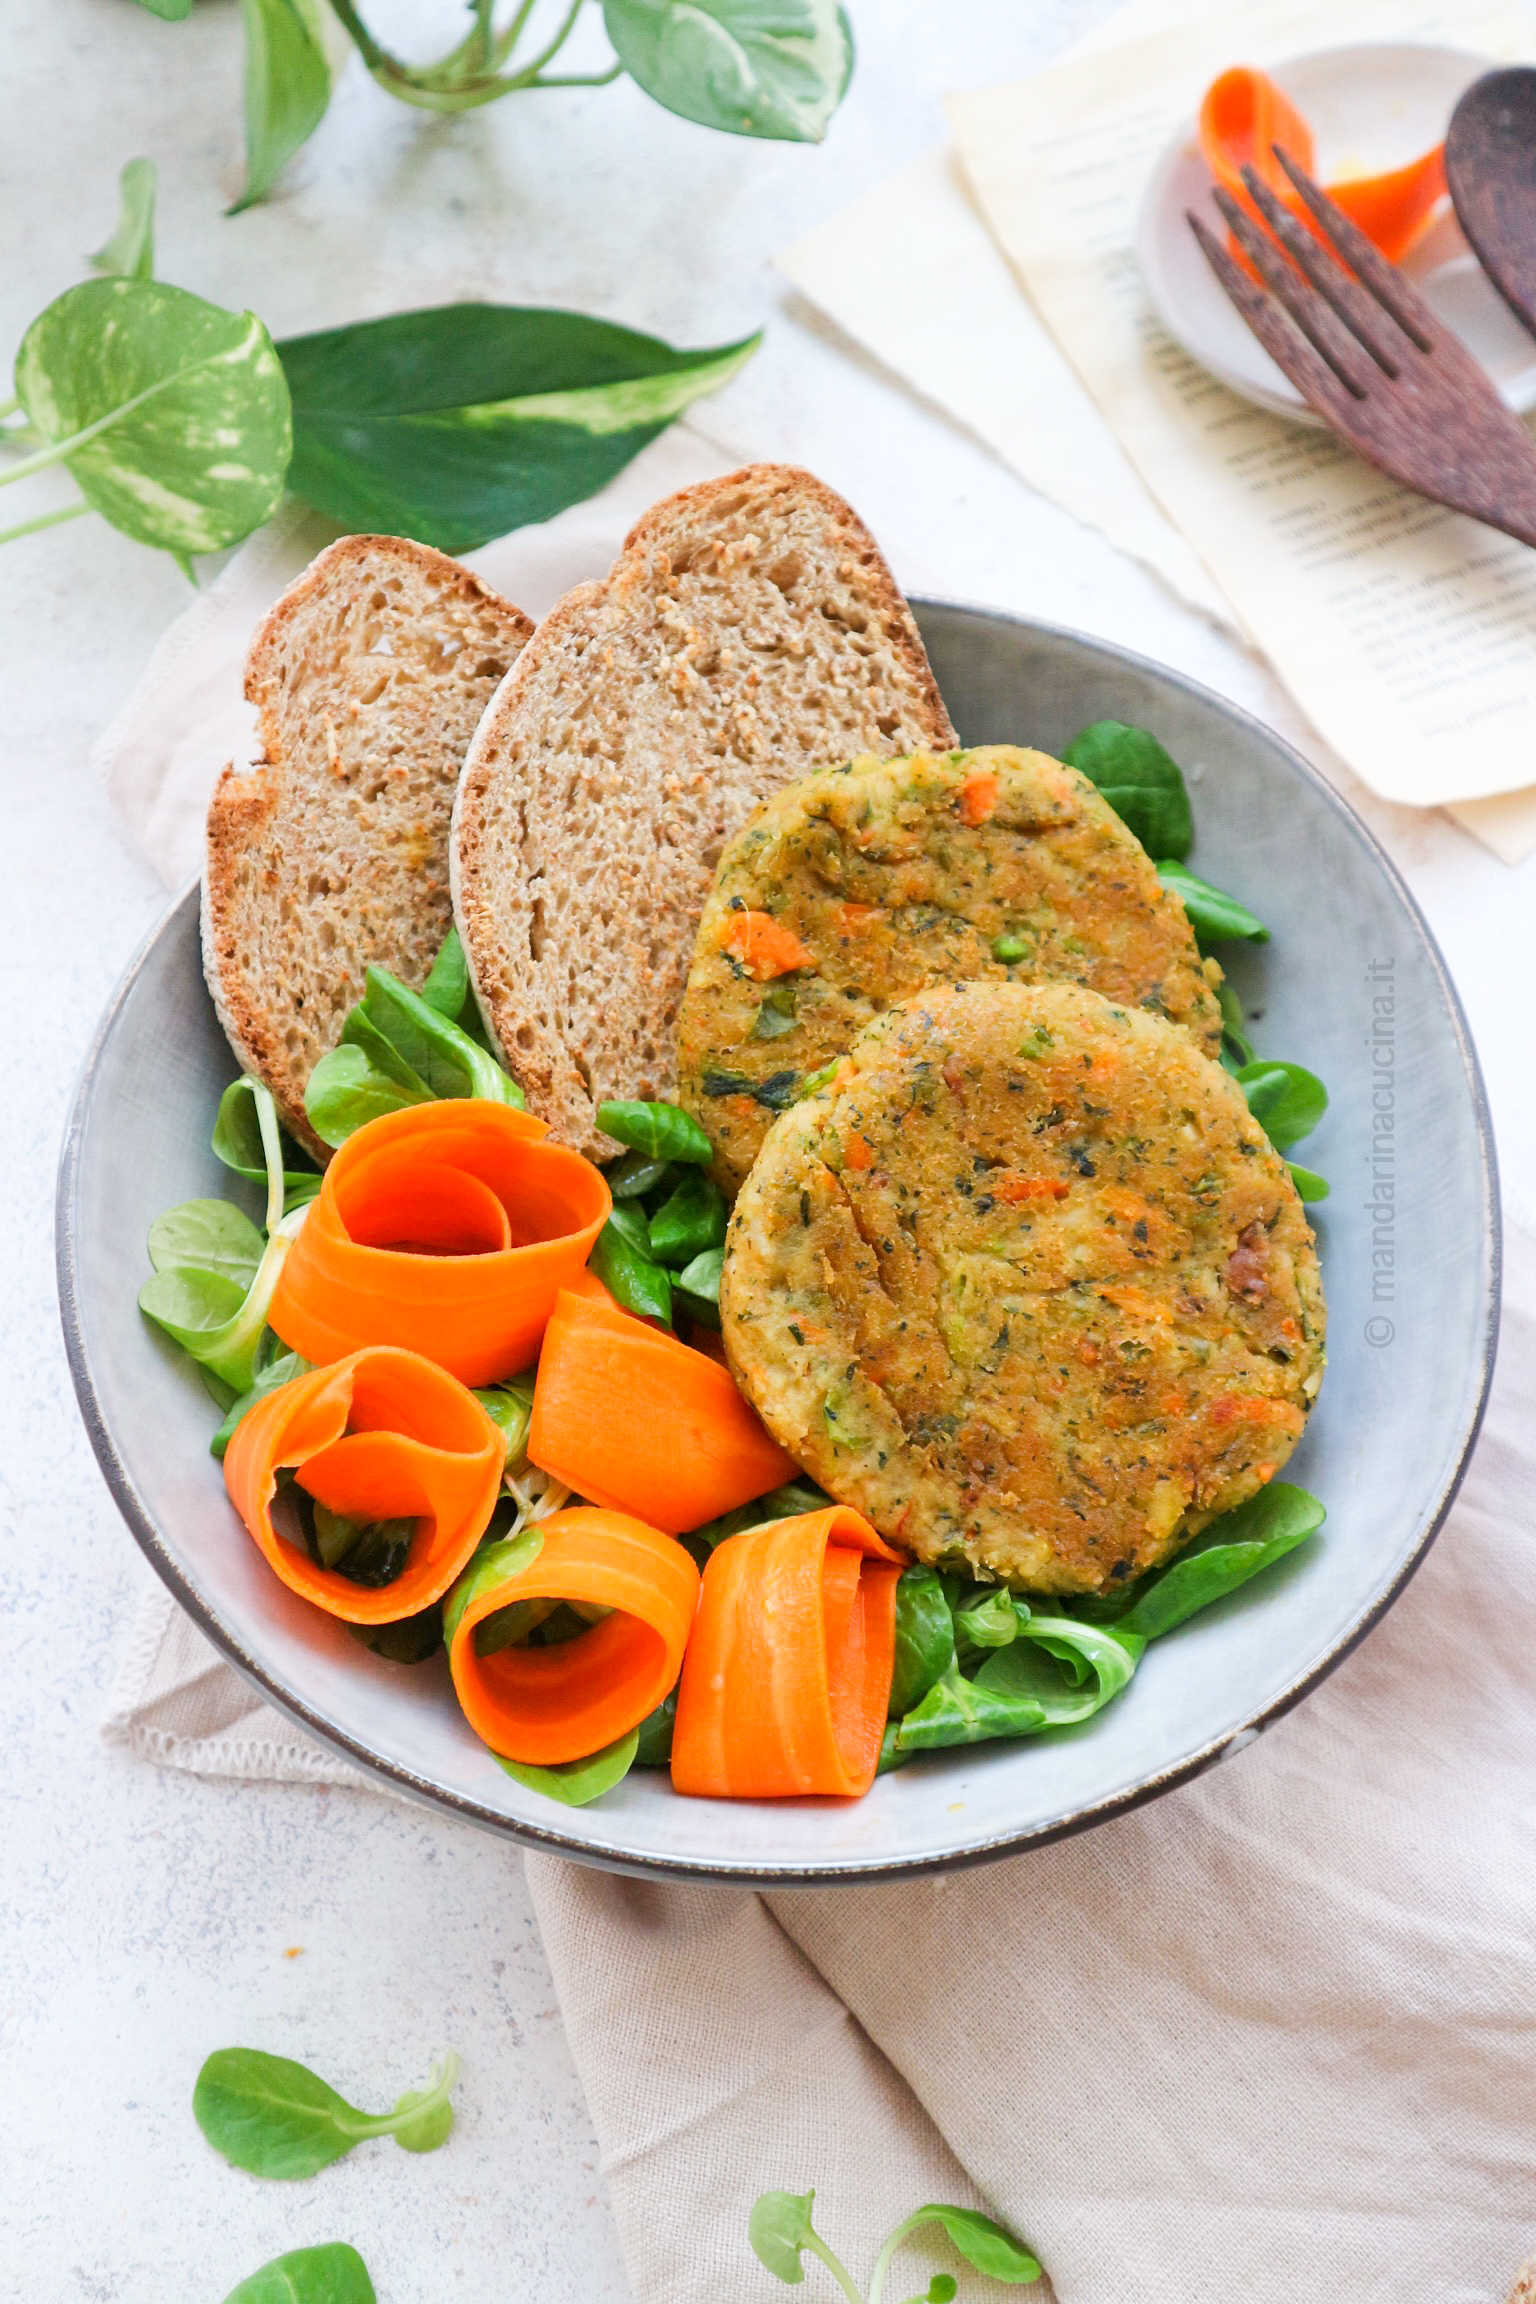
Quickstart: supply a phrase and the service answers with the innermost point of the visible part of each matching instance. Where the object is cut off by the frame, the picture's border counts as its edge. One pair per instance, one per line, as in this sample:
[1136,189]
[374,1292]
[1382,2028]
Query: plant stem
[58,450]
[883,2260]
[45,520]
[578,79]
[9,407]
[530,72]
[506,41]
[818,2247]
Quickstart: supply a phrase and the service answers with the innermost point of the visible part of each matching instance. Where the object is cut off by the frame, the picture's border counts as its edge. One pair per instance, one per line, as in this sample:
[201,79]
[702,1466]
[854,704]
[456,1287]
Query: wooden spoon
[1490,165]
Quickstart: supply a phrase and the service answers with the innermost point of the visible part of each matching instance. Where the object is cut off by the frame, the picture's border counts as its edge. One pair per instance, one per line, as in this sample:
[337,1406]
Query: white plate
[1370,109]
[1409,1352]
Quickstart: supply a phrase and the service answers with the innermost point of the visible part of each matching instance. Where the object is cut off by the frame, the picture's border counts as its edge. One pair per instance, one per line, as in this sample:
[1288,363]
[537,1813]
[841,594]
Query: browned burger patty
[1027,1285]
[858,885]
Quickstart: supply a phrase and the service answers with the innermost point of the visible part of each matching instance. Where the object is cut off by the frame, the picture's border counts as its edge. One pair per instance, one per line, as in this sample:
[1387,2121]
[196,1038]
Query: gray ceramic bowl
[1352,985]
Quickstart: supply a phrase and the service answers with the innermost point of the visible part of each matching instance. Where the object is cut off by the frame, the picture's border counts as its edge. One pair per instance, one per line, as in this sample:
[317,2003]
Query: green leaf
[345,1091]
[277,1373]
[989,1618]
[636,1283]
[778,2228]
[494,1561]
[1234,1548]
[1215,918]
[173,11]
[985,2244]
[1309,1185]
[510,1409]
[635,1175]
[1054,1674]
[447,987]
[273,2117]
[391,1020]
[653,1746]
[237,1142]
[775,68]
[1142,784]
[331,2274]
[287,88]
[633,1226]
[409,1640]
[209,1316]
[691,1222]
[457,424]
[130,253]
[207,1236]
[1236,1047]
[576,1782]
[786,1503]
[925,1637]
[1286,1100]
[700,1278]
[660,1131]
[175,413]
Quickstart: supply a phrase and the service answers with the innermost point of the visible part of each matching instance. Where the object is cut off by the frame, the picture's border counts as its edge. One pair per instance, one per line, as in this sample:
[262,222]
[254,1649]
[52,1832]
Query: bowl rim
[405,1782]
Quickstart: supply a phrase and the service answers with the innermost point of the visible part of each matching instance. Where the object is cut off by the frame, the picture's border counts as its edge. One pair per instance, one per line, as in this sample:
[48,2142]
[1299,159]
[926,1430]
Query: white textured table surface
[147,1918]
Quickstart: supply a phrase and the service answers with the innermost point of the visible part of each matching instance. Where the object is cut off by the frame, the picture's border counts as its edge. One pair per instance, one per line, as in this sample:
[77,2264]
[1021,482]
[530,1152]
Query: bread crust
[761,634]
[301,845]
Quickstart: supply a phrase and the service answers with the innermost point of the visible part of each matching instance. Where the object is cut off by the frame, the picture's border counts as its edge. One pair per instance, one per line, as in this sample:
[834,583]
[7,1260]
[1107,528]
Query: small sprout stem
[888,2250]
[816,2246]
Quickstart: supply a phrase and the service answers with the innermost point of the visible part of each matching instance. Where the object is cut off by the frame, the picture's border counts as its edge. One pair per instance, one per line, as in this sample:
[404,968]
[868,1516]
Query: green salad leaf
[576,1782]
[237,1142]
[408,1640]
[691,1221]
[210,1236]
[1215,918]
[697,1287]
[774,68]
[400,1048]
[786,1503]
[171,413]
[1223,1558]
[779,2230]
[653,1737]
[632,1278]
[510,1408]
[274,2117]
[1286,1100]
[287,87]
[459,423]
[1309,1185]
[277,1372]
[333,2273]
[1143,785]
[925,1637]
[660,1131]
[494,1560]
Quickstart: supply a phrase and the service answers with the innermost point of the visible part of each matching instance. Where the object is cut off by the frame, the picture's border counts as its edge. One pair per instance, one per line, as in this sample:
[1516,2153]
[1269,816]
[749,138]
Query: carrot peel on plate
[380,1435]
[447,1229]
[545,1706]
[631,1418]
[1245,114]
[787,1678]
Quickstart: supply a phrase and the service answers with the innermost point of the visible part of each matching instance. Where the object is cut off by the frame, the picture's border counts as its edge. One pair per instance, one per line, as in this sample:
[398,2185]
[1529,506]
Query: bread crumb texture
[331,855]
[750,631]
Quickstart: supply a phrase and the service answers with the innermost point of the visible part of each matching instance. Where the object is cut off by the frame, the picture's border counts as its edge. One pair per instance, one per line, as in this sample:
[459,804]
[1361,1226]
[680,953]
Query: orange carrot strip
[447,1229]
[978,796]
[545,1705]
[631,1418]
[787,1678]
[764,946]
[381,1435]
[1245,114]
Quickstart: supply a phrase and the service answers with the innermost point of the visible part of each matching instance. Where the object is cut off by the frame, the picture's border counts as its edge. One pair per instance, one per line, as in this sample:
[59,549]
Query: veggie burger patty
[859,885]
[1027,1285]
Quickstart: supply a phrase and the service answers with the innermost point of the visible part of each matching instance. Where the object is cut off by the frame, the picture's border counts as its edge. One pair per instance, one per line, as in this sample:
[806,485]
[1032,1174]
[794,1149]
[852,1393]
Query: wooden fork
[1363,349]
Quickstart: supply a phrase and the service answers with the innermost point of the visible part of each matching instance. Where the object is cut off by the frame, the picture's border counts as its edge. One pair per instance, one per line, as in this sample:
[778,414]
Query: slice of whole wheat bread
[748,632]
[368,678]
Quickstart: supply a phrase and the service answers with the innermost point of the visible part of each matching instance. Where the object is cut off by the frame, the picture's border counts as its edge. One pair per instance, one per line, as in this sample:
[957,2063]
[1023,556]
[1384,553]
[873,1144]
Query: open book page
[1404,631]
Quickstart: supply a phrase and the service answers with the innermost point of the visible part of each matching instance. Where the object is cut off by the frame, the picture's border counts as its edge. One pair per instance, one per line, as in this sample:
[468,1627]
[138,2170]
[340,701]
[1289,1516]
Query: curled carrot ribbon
[448,1229]
[383,1435]
[787,1679]
[1245,115]
[542,1706]
[631,1418]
